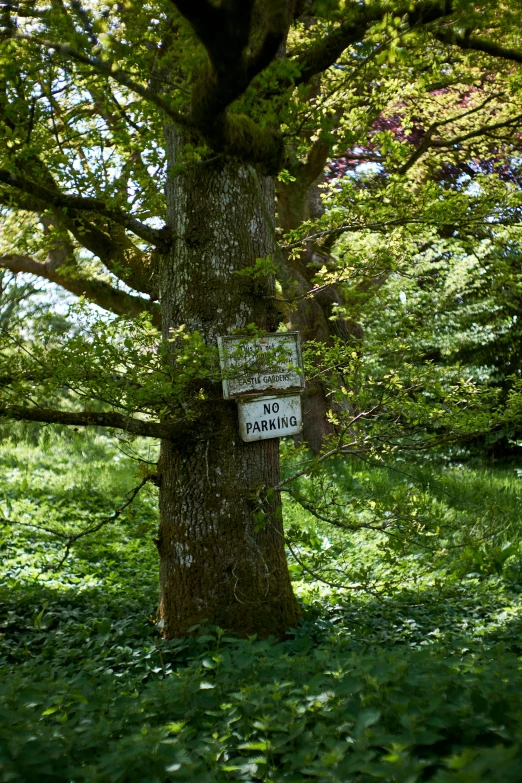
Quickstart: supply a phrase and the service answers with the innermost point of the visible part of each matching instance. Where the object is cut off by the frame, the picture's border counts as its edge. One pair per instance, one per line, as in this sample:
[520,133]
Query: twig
[158,648]
[326,581]
[50,530]
[71,540]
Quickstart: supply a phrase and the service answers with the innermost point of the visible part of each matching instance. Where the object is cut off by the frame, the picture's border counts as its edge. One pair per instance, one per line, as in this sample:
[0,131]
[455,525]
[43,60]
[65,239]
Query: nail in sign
[270,417]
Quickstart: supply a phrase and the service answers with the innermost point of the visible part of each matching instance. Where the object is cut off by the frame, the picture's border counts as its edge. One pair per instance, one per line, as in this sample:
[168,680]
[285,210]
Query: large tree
[141,149]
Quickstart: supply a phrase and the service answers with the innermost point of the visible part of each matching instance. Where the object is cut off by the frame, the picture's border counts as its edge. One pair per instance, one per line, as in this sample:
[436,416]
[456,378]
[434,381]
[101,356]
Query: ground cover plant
[418,681]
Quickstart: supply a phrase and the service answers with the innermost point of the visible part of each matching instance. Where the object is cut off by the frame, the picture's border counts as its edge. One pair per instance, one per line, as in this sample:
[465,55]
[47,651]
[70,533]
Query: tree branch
[323,54]
[315,161]
[110,243]
[136,268]
[225,33]
[429,143]
[102,236]
[315,575]
[71,540]
[148,429]
[379,226]
[426,143]
[103,67]
[223,30]
[483,131]
[276,28]
[48,196]
[98,291]
[479,45]
[385,224]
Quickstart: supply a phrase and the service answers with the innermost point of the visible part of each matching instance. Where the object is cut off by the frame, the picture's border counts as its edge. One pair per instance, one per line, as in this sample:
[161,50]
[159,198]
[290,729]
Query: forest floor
[419,680]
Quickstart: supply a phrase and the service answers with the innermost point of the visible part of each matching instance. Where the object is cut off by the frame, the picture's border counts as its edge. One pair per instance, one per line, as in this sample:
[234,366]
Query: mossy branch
[226,33]
[148,429]
[98,291]
[109,241]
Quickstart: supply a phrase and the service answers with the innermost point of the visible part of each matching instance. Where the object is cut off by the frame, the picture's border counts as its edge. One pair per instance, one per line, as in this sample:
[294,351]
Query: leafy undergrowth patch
[424,684]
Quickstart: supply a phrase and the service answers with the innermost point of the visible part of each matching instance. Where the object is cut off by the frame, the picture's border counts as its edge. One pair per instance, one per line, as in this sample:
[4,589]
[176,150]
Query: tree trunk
[221,561]
[297,201]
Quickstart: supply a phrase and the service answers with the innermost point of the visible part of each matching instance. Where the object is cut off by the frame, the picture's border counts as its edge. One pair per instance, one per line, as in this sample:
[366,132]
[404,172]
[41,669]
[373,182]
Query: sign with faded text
[270,417]
[261,365]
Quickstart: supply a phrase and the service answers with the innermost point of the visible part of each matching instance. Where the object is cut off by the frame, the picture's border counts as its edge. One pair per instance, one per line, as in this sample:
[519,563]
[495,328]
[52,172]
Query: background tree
[426,125]
[140,147]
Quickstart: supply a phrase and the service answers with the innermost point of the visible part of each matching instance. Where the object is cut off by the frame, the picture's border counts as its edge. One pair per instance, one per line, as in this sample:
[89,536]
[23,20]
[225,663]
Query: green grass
[417,680]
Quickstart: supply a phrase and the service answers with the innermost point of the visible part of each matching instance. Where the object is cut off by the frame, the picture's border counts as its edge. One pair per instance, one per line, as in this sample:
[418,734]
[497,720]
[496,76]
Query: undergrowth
[419,682]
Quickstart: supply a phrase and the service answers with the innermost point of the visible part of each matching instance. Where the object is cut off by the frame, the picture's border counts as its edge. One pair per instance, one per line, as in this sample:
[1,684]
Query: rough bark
[219,561]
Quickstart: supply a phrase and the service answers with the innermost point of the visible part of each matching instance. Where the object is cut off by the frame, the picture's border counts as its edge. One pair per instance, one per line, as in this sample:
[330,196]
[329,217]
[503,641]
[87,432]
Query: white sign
[270,417]
[260,365]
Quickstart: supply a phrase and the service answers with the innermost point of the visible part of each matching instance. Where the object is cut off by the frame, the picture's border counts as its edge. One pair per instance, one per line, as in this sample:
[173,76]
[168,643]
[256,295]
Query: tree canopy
[140,151]
[417,101]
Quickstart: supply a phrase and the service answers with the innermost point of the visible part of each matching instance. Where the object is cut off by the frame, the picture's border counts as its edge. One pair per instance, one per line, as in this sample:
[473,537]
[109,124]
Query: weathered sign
[270,417]
[261,365]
